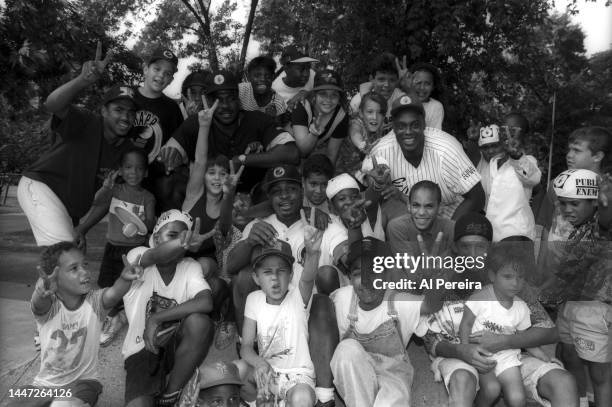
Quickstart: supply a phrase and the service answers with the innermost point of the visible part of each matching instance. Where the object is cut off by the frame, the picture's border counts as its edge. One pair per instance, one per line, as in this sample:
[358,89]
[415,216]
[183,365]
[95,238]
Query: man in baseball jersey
[416,153]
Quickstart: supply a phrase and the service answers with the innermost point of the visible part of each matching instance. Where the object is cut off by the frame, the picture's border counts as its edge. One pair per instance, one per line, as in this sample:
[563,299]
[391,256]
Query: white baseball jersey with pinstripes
[444,162]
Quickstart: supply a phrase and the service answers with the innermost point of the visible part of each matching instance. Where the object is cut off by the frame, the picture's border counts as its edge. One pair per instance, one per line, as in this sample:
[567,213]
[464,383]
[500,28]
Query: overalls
[373,369]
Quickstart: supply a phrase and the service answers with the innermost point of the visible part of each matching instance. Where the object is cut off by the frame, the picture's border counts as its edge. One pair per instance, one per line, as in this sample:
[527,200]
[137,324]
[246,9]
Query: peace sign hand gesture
[191,240]
[354,215]
[191,105]
[229,185]
[46,286]
[131,271]
[403,73]
[205,115]
[312,235]
[435,248]
[92,70]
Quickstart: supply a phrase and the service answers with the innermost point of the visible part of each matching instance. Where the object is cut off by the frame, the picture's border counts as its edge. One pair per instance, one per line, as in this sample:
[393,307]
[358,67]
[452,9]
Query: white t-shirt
[434,113]
[188,281]
[508,207]
[285,91]
[408,307]
[282,331]
[248,102]
[335,235]
[70,341]
[444,162]
[491,316]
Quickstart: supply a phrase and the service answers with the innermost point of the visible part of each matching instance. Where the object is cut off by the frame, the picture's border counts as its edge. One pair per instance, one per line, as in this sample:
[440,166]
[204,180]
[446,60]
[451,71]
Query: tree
[193,28]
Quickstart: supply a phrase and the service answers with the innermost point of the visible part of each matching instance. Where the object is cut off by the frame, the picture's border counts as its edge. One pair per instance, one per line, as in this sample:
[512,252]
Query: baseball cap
[405,103]
[163,53]
[473,223]
[279,248]
[327,80]
[576,184]
[120,92]
[292,55]
[338,183]
[489,135]
[217,374]
[365,249]
[196,78]
[221,80]
[170,216]
[281,173]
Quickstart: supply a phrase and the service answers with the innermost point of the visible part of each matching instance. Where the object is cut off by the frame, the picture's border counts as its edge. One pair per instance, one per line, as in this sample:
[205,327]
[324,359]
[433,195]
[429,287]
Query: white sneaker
[110,329]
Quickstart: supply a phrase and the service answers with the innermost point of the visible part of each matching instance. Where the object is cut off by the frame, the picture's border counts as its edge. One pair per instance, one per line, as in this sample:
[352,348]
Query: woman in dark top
[320,122]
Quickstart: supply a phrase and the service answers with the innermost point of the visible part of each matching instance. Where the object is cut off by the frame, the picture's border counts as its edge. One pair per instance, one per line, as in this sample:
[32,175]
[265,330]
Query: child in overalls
[370,364]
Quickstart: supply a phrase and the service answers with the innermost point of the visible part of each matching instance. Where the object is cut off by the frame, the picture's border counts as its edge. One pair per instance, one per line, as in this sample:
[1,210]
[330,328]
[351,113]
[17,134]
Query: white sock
[324,394]
[584,402]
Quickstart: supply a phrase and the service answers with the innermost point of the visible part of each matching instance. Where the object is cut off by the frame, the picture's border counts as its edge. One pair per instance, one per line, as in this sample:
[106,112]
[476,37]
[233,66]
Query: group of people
[266,204]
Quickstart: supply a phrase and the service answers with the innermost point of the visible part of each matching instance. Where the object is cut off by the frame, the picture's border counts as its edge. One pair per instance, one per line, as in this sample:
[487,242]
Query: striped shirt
[444,162]
[247,101]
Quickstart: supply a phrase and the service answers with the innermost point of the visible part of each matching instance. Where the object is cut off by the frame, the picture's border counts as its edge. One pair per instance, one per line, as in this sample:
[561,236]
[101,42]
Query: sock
[584,402]
[324,394]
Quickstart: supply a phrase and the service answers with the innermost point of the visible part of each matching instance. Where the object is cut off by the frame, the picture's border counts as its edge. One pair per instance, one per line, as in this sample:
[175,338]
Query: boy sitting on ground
[277,316]
[169,332]
[69,315]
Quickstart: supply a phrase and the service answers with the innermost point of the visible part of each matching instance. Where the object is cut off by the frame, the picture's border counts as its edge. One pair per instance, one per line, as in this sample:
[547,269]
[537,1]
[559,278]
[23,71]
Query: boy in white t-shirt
[370,364]
[277,317]
[508,181]
[69,317]
[497,309]
[169,332]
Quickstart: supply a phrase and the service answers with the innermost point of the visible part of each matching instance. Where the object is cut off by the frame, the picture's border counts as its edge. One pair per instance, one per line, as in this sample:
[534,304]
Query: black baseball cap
[220,80]
[327,80]
[406,103]
[281,173]
[120,92]
[291,55]
[280,248]
[473,223]
[163,53]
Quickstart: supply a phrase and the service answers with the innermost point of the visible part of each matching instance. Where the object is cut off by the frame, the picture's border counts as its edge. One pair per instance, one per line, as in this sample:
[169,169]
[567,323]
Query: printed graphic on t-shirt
[147,133]
[273,343]
[65,353]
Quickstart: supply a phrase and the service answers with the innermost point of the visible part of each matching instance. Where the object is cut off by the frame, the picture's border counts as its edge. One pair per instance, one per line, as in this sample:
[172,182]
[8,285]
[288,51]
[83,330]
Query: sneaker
[330,403]
[110,329]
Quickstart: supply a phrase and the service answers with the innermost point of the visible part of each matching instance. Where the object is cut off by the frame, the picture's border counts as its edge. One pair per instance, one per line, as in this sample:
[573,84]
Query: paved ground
[19,361]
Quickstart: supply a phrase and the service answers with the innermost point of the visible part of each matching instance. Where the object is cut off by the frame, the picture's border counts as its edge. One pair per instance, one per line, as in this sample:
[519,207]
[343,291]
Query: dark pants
[111,268]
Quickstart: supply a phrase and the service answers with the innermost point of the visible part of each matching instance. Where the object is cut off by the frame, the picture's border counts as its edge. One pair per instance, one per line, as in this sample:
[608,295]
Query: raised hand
[231,181]
[312,235]
[263,233]
[354,215]
[512,141]
[191,240]
[170,157]
[46,286]
[131,271]
[405,77]
[205,115]
[435,248]
[92,70]
[109,180]
[473,132]
[191,105]
[605,190]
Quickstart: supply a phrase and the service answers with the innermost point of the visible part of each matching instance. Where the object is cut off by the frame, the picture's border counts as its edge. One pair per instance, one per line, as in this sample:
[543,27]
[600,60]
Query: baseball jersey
[444,162]
[69,341]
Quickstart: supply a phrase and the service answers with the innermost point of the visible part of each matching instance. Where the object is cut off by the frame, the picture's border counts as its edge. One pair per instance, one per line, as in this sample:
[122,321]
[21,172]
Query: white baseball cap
[489,135]
[170,216]
[577,184]
[340,182]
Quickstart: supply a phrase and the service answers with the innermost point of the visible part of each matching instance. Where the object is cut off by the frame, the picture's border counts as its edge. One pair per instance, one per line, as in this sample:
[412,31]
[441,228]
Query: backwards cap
[576,184]
[489,135]
[168,217]
[338,183]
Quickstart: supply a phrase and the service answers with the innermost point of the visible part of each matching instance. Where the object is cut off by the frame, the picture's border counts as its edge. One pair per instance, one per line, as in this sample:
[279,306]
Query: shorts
[46,213]
[112,264]
[532,370]
[586,325]
[146,372]
[282,382]
[86,390]
[443,369]
[506,359]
